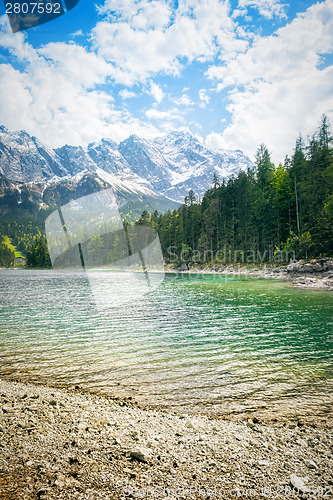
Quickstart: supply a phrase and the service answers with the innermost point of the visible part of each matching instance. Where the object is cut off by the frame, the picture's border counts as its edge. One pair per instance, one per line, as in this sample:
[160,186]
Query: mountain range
[164,168]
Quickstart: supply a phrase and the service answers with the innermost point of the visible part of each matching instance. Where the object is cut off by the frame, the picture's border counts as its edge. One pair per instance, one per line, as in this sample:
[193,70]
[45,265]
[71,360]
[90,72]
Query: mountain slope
[167,166]
[25,159]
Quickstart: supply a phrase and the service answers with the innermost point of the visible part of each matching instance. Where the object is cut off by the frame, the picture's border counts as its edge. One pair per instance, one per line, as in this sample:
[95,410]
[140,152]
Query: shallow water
[207,342]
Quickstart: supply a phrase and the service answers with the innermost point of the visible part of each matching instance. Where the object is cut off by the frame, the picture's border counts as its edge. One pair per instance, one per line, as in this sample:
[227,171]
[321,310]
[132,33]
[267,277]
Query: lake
[222,344]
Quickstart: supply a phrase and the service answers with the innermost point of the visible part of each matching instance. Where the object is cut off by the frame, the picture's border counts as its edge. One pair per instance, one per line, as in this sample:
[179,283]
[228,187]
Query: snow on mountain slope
[107,156]
[192,165]
[75,159]
[146,162]
[124,184]
[25,159]
[169,166]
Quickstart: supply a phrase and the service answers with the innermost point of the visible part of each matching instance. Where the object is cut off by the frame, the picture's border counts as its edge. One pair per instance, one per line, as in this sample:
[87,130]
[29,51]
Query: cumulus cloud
[278,87]
[216,141]
[137,50]
[52,97]
[184,100]
[267,8]
[156,92]
[273,86]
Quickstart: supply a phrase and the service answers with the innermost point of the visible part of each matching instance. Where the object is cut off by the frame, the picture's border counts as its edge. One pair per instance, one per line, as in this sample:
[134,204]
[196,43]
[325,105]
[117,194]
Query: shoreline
[64,444]
[314,274]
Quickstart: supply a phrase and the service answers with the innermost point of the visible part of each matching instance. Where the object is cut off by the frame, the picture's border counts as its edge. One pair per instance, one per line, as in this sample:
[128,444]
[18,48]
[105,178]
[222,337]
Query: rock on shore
[62,444]
[312,274]
[316,274]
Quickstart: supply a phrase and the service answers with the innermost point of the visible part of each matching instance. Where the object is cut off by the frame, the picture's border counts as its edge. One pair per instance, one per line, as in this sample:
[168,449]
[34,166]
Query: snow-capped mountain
[192,166]
[24,158]
[167,166]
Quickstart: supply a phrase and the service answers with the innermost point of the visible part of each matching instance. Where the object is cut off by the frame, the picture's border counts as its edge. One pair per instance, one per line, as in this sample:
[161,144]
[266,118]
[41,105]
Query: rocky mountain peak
[170,165]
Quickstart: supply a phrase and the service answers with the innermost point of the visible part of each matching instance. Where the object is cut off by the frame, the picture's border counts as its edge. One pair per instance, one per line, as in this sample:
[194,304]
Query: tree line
[267,213]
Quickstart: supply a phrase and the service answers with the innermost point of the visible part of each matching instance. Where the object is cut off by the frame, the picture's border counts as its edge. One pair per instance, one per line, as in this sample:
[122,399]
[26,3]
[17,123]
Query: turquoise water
[207,342]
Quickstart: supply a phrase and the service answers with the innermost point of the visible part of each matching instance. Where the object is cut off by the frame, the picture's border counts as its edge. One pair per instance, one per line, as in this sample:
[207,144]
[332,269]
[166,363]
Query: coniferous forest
[269,213]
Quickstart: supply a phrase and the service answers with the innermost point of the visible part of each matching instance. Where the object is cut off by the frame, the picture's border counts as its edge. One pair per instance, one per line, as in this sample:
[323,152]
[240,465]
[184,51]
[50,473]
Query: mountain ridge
[167,166]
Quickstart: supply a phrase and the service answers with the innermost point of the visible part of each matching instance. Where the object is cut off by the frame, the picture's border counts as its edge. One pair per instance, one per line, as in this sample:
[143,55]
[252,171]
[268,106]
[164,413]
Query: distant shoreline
[315,274]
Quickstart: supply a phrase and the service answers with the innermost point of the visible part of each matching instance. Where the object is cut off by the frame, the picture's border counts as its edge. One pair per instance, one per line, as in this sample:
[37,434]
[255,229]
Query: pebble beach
[71,444]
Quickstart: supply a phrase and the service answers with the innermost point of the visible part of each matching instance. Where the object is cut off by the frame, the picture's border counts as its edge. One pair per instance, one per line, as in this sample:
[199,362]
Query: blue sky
[234,73]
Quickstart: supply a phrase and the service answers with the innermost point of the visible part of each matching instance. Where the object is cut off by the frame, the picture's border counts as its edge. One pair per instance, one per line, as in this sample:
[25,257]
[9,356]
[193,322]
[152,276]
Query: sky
[234,73]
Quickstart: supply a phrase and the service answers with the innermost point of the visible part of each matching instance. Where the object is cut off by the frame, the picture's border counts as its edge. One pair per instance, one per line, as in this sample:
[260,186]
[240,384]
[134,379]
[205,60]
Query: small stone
[60,481]
[71,482]
[53,403]
[311,465]
[139,455]
[263,463]
[82,426]
[135,436]
[298,483]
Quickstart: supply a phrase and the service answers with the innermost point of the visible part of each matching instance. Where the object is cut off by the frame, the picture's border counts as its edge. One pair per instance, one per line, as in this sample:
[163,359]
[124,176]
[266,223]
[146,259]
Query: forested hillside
[267,213]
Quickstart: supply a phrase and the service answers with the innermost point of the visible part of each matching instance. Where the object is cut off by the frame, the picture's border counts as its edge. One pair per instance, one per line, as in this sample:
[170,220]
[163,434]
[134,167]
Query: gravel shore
[70,444]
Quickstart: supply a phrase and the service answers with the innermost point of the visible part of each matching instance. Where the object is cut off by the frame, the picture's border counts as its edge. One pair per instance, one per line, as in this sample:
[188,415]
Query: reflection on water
[199,341]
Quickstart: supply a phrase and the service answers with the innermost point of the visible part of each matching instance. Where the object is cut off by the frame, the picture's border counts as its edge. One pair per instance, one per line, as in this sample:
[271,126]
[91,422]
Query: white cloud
[127,94]
[216,141]
[54,96]
[184,100]
[204,98]
[172,114]
[167,121]
[77,33]
[195,30]
[155,114]
[278,88]
[267,8]
[156,92]
[142,14]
